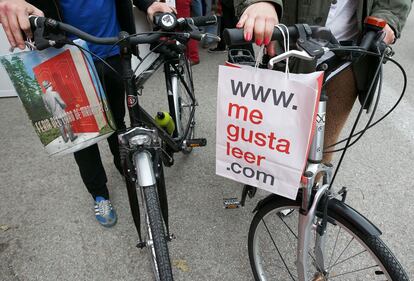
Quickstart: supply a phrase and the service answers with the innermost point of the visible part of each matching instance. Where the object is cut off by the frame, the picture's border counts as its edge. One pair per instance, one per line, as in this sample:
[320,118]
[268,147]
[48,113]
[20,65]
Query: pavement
[48,230]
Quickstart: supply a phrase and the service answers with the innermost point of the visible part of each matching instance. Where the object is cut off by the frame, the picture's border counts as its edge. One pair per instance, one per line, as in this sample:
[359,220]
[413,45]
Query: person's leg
[212,29]
[115,92]
[92,171]
[196,8]
[184,10]
[89,159]
[342,94]
[221,46]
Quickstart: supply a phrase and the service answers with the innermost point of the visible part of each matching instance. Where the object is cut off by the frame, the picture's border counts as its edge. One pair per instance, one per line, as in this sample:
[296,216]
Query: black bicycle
[147,145]
[318,236]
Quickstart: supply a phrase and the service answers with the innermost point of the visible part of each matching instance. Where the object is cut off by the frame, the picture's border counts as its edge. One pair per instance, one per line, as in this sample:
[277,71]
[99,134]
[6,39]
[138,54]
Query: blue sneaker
[104,212]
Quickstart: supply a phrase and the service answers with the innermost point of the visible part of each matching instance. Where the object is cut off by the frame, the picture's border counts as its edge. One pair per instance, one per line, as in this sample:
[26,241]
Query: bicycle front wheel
[157,240]
[350,255]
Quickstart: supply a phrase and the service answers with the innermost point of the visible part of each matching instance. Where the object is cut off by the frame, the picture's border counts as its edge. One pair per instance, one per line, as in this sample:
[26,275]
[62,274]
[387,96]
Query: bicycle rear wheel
[350,255]
[185,102]
[157,240]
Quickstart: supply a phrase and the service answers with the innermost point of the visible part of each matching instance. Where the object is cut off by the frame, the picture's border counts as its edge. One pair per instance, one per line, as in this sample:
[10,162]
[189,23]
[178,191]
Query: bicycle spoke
[290,229]
[342,252]
[334,248]
[277,249]
[357,270]
[348,258]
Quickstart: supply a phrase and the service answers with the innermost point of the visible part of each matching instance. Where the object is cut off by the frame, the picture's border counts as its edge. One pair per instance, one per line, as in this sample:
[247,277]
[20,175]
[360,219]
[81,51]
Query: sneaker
[217,50]
[104,212]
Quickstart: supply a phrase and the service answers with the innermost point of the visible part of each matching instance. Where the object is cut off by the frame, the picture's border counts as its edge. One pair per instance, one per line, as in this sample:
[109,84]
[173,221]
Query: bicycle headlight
[140,140]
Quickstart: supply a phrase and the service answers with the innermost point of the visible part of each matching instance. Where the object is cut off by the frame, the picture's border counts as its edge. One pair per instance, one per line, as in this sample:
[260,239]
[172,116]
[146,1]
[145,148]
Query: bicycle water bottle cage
[241,56]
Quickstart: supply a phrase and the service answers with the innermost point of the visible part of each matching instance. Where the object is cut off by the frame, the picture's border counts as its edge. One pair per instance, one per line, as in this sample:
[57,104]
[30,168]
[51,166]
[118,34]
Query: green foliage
[26,87]
[48,136]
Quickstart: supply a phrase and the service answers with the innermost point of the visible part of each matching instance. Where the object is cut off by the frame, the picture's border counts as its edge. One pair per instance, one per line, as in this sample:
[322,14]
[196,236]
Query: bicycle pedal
[231,203]
[196,142]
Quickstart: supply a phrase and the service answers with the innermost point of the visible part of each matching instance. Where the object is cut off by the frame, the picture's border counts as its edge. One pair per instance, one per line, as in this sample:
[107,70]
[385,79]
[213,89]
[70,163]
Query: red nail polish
[266,41]
[258,42]
[248,37]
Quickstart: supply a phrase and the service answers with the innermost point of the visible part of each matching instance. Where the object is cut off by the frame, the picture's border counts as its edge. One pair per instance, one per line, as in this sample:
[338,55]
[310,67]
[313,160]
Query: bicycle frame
[138,116]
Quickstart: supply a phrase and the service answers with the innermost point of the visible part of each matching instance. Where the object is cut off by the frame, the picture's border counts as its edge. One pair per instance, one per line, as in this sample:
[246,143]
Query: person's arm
[150,7]
[395,12]
[14,17]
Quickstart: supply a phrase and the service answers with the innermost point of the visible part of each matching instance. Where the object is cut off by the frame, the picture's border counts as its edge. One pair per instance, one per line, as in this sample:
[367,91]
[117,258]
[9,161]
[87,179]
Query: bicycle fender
[355,219]
[336,209]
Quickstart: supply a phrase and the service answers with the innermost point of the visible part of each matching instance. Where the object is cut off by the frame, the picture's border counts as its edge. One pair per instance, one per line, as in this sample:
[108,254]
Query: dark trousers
[89,159]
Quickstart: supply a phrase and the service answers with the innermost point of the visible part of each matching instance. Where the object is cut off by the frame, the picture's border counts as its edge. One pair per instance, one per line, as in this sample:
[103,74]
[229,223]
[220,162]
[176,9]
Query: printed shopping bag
[264,126]
[62,95]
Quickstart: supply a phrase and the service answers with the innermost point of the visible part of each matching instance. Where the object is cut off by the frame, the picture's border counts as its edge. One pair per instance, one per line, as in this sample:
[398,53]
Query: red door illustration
[61,72]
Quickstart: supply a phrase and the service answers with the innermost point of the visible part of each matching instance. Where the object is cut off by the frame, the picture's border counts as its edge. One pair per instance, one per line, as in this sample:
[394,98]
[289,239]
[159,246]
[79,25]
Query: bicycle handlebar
[236,37]
[43,22]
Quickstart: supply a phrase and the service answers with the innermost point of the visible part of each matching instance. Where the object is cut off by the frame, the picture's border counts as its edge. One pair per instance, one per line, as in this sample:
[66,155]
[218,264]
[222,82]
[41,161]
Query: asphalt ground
[48,230]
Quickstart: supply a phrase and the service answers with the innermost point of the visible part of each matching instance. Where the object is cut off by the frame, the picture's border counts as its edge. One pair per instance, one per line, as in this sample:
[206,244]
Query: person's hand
[259,19]
[389,35]
[159,7]
[14,17]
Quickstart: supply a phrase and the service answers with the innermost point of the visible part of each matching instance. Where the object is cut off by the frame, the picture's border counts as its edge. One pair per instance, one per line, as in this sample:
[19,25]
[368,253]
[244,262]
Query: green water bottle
[164,120]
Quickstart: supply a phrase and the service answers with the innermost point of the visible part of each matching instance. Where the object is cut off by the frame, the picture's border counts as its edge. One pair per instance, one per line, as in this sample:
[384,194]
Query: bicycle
[318,236]
[146,146]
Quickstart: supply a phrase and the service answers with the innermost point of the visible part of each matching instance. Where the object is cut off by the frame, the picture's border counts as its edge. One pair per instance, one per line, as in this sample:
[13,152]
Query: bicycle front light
[140,140]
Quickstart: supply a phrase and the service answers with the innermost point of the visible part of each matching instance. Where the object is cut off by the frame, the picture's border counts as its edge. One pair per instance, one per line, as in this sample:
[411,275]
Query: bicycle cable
[101,90]
[367,126]
[380,63]
[384,116]
[355,124]
[392,108]
[96,56]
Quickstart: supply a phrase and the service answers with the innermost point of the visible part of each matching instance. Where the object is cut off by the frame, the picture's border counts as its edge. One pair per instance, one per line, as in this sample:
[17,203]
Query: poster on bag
[264,126]
[62,95]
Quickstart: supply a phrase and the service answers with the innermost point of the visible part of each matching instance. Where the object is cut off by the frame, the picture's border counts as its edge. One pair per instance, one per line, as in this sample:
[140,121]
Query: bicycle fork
[305,228]
[307,212]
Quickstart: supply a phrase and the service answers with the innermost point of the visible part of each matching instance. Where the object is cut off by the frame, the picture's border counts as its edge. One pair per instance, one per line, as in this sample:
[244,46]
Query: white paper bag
[264,126]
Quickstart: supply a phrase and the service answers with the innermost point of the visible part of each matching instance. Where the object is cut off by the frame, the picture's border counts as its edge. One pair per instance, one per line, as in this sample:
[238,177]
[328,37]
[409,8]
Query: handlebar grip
[234,37]
[204,20]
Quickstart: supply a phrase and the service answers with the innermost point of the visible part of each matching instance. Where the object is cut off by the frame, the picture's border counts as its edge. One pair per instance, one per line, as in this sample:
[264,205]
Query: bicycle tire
[386,263]
[185,103]
[156,232]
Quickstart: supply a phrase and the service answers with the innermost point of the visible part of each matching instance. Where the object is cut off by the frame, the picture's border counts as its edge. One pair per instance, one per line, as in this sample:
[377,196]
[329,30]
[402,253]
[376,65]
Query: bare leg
[341,97]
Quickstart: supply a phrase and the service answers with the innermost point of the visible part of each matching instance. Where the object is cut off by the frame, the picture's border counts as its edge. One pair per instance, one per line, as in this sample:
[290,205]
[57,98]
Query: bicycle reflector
[375,23]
